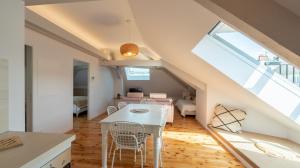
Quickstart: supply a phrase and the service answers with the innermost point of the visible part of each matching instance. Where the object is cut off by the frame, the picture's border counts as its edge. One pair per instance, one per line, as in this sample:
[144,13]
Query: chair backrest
[147,101]
[144,101]
[127,135]
[111,109]
[121,105]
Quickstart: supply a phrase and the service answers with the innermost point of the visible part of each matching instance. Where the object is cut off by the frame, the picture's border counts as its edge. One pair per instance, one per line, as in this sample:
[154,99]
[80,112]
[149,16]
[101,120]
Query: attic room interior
[149,83]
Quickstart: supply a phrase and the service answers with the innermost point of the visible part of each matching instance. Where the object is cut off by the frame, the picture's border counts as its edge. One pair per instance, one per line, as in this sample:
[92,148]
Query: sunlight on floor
[193,138]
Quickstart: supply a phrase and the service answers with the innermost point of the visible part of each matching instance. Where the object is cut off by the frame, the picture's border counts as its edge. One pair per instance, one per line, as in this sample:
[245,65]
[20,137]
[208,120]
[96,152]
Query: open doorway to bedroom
[80,90]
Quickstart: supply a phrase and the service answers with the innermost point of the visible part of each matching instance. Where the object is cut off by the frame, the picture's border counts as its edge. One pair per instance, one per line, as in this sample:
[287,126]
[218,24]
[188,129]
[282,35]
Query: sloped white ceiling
[103,23]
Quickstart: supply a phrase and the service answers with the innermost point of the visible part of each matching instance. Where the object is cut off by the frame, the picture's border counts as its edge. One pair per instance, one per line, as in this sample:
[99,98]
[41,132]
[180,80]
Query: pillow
[228,118]
[135,94]
[158,95]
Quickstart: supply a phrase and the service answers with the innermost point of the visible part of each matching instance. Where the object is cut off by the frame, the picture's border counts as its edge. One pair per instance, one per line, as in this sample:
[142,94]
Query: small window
[137,73]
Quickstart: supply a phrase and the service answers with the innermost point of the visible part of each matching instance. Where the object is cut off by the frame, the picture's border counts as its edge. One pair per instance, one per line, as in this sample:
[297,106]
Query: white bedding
[186,107]
[79,104]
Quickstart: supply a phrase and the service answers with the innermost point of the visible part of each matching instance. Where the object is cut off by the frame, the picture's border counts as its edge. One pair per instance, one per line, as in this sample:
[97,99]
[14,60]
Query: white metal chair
[121,105]
[111,109]
[162,141]
[128,135]
[162,145]
[161,131]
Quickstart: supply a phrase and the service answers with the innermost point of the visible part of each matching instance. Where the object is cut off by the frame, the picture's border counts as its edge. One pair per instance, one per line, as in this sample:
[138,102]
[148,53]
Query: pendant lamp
[129,49]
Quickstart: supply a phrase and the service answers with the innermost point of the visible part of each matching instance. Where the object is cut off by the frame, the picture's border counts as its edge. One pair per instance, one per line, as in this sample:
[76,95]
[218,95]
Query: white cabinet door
[60,161]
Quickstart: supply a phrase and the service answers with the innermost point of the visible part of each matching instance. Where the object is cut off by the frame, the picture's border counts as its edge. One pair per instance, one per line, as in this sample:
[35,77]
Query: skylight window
[254,67]
[137,73]
[253,51]
[241,43]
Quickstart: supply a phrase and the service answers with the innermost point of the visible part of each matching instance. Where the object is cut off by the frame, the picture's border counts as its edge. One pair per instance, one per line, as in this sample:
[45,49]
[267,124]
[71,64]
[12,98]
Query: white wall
[12,50]
[103,93]
[53,83]
[160,82]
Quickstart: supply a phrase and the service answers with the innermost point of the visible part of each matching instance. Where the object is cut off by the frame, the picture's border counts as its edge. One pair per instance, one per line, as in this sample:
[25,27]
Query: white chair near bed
[111,109]
[121,105]
[145,101]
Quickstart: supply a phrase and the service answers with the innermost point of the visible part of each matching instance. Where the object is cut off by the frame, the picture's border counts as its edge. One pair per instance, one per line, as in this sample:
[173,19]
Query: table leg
[156,148]
[104,132]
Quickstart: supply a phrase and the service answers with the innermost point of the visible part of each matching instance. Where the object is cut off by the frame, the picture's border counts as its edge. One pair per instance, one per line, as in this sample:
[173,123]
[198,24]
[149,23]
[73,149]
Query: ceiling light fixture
[129,49]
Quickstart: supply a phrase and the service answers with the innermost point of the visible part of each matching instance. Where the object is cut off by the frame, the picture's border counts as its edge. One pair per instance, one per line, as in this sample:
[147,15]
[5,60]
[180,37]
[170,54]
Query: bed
[79,104]
[186,107]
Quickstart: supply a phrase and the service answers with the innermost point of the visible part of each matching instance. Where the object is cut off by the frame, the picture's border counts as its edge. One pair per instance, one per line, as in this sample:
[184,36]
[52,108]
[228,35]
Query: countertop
[36,151]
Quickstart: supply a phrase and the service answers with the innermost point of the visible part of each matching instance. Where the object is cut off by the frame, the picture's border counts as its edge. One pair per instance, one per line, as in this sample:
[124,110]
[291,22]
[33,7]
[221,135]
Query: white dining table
[153,121]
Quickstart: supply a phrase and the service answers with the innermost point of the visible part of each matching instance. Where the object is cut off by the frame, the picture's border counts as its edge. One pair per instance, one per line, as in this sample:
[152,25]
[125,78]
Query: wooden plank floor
[187,145]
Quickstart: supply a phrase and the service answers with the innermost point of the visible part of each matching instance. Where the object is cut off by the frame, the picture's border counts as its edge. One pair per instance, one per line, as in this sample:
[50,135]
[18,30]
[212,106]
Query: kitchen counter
[37,150]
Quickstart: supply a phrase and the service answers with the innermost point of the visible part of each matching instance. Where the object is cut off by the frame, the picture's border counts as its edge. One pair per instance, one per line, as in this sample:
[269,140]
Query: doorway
[80,90]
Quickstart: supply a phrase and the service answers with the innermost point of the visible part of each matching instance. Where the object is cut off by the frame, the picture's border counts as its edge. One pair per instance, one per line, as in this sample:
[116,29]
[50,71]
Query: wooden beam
[134,63]
[45,2]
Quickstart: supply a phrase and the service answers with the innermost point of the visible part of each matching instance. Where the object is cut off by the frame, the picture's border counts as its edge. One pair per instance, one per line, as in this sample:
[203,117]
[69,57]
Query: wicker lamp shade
[129,49]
